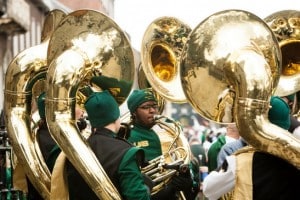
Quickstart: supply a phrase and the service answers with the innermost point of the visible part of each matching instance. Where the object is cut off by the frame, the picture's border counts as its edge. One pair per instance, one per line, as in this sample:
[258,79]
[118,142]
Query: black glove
[182,181]
[167,192]
[148,182]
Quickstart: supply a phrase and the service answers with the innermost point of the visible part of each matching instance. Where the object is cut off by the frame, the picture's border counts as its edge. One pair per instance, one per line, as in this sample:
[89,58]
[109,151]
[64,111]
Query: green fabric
[213,151]
[146,139]
[118,89]
[41,105]
[279,113]
[131,182]
[86,91]
[8,174]
[195,172]
[149,141]
[102,109]
[137,97]
[52,157]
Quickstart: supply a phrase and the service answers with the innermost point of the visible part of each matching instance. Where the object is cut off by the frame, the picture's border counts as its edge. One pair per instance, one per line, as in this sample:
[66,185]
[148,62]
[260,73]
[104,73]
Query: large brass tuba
[235,53]
[86,44]
[162,45]
[161,49]
[285,26]
[24,72]
[176,153]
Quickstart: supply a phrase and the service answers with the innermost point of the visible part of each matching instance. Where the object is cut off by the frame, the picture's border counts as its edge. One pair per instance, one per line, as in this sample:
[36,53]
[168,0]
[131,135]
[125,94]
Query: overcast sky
[134,16]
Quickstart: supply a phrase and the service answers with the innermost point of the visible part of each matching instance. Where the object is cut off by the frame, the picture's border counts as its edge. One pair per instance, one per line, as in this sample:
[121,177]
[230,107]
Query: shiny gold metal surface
[143,83]
[234,53]
[176,151]
[87,43]
[26,70]
[285,26]
[161,49]
[214,50]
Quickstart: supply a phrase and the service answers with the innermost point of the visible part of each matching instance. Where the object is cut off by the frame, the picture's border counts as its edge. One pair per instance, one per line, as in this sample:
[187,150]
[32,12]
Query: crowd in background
[201,134]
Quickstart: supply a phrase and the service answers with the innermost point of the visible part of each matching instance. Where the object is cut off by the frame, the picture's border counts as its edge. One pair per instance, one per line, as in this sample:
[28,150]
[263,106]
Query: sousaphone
[231,66]
[86,44]
[162,44]
[161,49]
[285,26]
[24,81]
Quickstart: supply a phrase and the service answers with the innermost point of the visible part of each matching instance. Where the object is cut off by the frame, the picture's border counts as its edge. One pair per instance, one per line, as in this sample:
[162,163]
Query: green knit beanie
[41,105]
[138,97]
[279,113]
[102,109]
[119,89]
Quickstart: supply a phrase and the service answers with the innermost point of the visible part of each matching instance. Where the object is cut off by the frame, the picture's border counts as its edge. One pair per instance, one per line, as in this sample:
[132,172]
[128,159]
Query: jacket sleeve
[131,180]
[218,183]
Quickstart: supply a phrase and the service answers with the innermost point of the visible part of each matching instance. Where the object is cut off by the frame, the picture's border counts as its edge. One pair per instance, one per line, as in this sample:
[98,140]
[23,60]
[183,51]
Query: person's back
[120,160]
[45,142]
[252,174]
[44,139]
[110,158]
[274,178]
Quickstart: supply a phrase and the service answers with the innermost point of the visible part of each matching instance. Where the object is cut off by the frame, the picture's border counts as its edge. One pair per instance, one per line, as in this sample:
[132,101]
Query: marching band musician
[120,160]
[45,141]
[47,145]
[252,174]
[143,106]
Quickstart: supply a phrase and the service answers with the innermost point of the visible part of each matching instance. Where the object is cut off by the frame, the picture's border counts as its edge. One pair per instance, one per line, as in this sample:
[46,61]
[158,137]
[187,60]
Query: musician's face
[78,113]
[144,114]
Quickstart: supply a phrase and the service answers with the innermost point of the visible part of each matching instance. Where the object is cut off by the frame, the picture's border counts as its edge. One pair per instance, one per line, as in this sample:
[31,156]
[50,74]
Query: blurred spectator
[187,126]
[228,149]
[208,141]
[198,151]
[232,134]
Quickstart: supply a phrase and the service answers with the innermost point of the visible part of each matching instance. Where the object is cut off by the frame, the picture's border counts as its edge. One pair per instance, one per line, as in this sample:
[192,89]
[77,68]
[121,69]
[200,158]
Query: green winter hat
[41,104]
[279,113]
[102,109]
[137,97]
[118,89]
[291,97]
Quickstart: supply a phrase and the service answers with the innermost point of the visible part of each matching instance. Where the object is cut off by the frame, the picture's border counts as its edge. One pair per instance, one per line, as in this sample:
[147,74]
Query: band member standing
[143,107]
[252,174]
[45,140]
[120,160]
